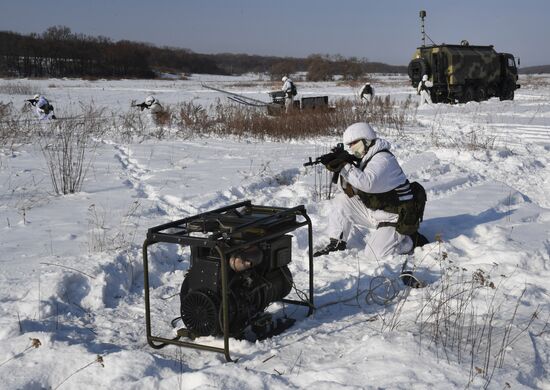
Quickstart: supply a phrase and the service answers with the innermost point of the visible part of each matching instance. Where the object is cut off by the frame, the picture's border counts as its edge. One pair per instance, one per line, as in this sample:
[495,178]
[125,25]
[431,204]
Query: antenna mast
[422,16]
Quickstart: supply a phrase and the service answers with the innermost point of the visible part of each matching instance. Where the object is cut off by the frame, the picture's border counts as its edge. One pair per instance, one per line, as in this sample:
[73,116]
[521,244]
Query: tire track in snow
[507,133]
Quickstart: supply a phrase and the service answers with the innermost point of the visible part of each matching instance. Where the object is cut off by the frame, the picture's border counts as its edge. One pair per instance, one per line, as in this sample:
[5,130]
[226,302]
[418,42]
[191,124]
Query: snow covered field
[72,276]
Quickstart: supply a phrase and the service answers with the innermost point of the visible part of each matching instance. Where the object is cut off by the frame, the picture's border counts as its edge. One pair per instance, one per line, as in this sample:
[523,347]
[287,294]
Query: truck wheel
[481,95]
[507,96]
[507,92]
[418,68]
[468,95]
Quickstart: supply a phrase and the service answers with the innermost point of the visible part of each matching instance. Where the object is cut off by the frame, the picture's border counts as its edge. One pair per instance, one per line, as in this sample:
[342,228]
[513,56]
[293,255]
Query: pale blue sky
[383,30]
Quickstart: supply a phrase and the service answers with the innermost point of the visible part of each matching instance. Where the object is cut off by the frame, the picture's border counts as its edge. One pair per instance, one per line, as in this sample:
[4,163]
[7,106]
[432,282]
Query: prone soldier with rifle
[375,195]
[150,103]
[44,109]
[156,112]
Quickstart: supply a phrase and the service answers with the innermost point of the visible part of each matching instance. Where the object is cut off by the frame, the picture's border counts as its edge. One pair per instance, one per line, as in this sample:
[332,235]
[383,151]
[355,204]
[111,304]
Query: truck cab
[509,74]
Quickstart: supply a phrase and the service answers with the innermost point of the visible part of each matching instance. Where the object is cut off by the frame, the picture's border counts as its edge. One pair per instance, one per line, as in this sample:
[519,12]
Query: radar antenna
[422,16]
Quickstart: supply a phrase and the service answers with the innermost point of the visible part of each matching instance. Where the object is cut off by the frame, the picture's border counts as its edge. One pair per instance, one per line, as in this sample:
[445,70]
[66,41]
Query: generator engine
[257,276]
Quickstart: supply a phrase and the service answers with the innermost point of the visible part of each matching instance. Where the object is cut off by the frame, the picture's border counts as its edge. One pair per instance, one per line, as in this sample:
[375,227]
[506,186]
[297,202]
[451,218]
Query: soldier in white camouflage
[424,90]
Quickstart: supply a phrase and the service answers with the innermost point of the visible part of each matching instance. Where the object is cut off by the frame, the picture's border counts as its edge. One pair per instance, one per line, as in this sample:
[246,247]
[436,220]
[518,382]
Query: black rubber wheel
[508,92]
[418,68]
[468,95]
[481,95]
[199,313]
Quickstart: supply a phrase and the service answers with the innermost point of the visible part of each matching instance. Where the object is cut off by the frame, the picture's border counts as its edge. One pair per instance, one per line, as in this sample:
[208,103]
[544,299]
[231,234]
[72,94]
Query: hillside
[535,69]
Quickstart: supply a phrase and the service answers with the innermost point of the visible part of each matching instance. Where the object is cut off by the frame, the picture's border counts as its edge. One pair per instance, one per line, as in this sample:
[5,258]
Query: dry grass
[535,82]
[242,121]
[68,147]
[472,320]
[16,88]
[222,119]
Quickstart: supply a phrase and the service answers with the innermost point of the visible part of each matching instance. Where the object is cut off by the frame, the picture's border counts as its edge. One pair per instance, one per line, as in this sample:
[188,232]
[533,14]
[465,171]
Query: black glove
[326,158]
[337,160]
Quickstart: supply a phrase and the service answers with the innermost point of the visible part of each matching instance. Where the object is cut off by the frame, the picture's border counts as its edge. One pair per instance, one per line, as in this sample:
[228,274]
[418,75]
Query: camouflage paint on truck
[464,73]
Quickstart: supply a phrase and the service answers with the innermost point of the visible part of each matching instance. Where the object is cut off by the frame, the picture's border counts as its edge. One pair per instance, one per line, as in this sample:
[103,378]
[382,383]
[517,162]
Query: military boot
[333,246]
[418,239]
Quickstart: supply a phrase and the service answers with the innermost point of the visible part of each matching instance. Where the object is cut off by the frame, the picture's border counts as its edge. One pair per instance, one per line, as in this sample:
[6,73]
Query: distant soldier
[151,103]
[290,91]
[424,90]
[44,109]
[366,94]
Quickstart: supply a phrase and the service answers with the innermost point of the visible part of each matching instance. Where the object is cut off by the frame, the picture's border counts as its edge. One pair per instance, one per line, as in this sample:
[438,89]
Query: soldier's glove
[335,161]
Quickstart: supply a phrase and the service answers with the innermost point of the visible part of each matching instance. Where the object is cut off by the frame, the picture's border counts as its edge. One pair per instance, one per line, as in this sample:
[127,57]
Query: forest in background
[58,52]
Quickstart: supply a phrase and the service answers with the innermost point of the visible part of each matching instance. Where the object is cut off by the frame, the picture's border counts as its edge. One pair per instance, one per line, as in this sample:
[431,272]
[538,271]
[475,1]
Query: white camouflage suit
[366,94]
[154,107]
[43,109]
[380,175]
[424,92]
[287,89]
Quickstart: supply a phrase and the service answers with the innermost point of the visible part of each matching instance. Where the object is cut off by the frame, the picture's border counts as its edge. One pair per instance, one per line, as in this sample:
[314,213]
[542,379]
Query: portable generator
[238,267]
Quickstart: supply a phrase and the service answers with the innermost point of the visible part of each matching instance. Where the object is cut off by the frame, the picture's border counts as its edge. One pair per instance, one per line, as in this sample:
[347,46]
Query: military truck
[463,73]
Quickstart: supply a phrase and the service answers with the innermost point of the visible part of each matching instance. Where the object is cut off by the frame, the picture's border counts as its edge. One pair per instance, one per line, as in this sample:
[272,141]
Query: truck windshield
[511,62]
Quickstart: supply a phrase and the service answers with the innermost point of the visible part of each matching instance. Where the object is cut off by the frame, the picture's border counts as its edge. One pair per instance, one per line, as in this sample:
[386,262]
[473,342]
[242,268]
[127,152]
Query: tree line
[58,52]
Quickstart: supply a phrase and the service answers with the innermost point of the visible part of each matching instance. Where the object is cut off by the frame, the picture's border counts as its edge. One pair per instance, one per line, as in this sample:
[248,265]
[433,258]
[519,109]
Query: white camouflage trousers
[347,213]
[289,102]
[425,97]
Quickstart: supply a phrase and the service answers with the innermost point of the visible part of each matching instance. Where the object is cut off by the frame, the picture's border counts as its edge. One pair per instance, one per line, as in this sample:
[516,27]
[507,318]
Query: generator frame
[177,232]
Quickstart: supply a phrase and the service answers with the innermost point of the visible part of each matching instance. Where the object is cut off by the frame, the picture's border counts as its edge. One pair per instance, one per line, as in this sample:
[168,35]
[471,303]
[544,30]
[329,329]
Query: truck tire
[481,95]
[418,68]
[507,92]
[468,95]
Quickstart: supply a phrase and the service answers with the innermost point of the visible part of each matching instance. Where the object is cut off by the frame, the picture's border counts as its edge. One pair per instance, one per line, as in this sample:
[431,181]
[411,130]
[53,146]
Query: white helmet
[284,79]
[36,97]
[425,77]
[360,130]
[149,100]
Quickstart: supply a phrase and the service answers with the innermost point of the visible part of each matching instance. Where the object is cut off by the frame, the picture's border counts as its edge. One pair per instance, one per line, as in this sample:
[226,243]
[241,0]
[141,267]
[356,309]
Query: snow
[72,273]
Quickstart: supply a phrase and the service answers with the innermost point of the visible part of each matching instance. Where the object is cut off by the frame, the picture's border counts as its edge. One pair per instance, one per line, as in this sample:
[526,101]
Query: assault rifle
[337,157]
[339,148]
[32,101]
[142,106]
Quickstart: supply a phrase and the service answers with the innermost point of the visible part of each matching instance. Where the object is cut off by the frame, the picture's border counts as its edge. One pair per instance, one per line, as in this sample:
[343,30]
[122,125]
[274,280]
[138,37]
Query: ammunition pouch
[411,212]
[387,201]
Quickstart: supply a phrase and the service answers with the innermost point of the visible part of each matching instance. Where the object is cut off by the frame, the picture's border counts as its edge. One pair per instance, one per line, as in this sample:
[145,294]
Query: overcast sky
[382,30]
